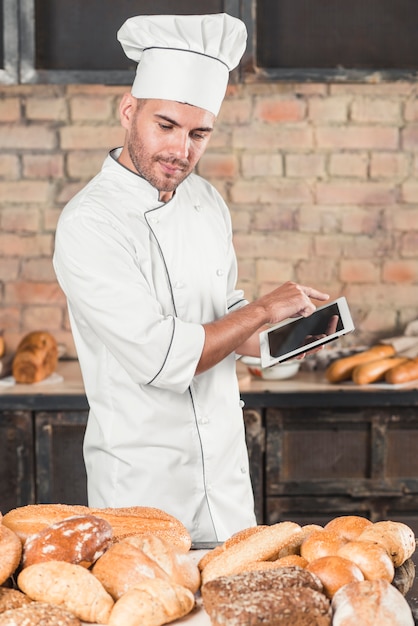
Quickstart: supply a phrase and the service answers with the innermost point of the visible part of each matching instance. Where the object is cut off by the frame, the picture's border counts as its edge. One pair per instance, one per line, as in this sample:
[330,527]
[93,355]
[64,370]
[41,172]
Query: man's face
[165,141]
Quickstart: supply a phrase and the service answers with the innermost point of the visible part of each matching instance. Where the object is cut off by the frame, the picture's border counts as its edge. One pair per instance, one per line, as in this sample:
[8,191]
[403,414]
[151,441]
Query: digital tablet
[295,336]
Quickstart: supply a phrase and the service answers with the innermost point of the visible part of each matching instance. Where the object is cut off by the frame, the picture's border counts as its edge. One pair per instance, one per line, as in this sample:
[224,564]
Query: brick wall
[321,180]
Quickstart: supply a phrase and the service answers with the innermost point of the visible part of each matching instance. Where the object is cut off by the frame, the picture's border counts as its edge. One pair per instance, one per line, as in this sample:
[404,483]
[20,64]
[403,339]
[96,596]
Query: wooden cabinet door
[16,460]
[60,471]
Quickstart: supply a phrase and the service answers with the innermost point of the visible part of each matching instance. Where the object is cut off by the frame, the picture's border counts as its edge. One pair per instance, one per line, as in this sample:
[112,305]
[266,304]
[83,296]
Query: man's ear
[127,108]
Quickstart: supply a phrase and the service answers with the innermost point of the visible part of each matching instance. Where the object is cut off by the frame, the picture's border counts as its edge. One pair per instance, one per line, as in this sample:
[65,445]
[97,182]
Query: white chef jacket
[141,277]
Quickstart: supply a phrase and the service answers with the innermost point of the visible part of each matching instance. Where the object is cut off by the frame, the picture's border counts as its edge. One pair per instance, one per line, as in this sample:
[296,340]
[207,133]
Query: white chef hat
[186,58]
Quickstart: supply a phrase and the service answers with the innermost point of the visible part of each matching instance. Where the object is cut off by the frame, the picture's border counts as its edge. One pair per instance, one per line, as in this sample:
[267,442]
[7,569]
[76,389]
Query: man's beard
[144,161]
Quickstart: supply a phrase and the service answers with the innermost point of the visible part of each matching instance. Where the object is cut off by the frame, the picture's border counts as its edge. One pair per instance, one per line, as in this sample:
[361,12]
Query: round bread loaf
[334,572]
[372,558]
[81,539]
[12,599]
[36,357]
[321,543]
[370,603]
[349,527]
[396,537]
[10,553]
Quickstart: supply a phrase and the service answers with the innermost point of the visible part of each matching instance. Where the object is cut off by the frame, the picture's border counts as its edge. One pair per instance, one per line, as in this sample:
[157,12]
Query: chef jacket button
[204,420]
[219,272]
[243,470]
[154,220]
[241,403]
[178,285]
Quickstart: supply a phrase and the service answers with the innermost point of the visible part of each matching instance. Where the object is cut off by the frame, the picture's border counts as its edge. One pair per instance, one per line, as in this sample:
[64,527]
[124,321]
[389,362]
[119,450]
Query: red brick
[358,137]
[274,109]
[24,191]
[21,220]
[403,219]
[355,193]
[91,137]
[43,165]
[359,271]
[9,110]
[411,110]
[46,109]
[409,193]
[388,165]
[218,165]
[9,269]
[316,273]
[274,219]
[271,191]
[409,137]
[29,293]
[9,166]
[85,164]
[400,271]
[273,271]
[358,221]
[234,111]
[305,165]
[40,270]
[409,244]
[96,108]
[283,137]
[256,164]
[345,164]
[328,109]
[376,110]
[14,137]
[39,317]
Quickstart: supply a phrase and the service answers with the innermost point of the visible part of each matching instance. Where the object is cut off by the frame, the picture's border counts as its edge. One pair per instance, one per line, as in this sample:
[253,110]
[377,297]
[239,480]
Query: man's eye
[166,126]
[199,136]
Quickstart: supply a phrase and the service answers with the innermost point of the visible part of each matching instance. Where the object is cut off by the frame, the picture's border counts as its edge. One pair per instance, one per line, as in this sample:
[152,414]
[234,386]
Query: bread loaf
[403,373]
[125,522]
[10,553]
[349,527]
[81,539]
[321,543]
[261,546]
[367,373]
[372,558]
[370,603]
[38,614]
[12,599]
[72,587]
[36,357]
[334,572]
[397,538]
[152,603]
[342,369]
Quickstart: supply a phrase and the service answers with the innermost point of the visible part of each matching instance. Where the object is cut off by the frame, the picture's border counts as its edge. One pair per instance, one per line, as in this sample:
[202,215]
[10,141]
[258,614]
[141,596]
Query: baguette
[342,369]
[403,373]
[367,373]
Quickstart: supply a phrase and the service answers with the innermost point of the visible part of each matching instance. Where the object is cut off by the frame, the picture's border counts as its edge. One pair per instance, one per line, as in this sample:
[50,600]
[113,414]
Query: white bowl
[279,371]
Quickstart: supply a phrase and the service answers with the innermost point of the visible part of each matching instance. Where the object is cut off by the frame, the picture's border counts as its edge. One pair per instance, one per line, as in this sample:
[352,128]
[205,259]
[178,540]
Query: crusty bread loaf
[349,527]
[125,522]
[10,552]
[367,373]
[224,588]
[321,543]
[152,603]
[334,572]
[290,596]
[396,537]
[372,558]
[70,586]
[261,546]
[403,373]
[370,603]
[237,537]
[81,539]
[341,369]
[135,559]
[36,357]
[38,614]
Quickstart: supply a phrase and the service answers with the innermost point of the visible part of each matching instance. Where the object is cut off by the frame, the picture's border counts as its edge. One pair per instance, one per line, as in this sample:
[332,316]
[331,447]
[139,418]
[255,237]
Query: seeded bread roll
[12,599]
[81,539]
[69,586]
[36,357]
[38,614]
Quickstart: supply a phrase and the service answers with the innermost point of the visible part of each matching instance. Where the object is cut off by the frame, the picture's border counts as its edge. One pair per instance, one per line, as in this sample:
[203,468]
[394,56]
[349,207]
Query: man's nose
[181,145]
